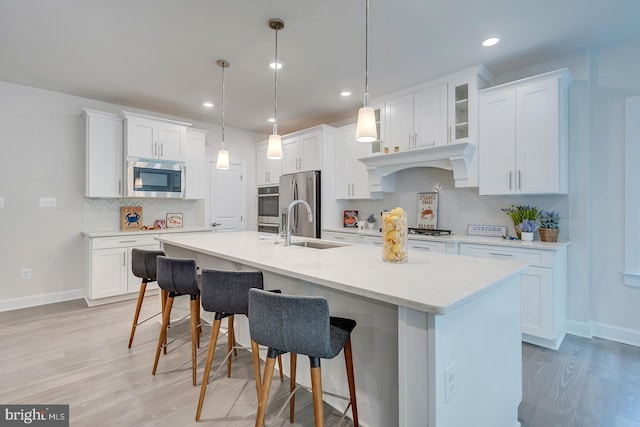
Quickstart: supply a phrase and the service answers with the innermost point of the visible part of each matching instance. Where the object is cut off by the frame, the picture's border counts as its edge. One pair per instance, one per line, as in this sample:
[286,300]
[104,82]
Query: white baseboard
[581,329]
[36,300]
[615,333]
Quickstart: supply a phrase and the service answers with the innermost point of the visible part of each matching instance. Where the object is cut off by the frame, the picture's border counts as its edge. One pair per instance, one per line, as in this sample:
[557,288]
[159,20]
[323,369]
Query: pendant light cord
[223,67]
[275,95]
[366,57]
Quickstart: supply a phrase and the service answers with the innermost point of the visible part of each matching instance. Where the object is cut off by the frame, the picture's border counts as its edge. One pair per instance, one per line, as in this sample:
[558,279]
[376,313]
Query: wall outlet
[25,273]
[48,202]
[449,381]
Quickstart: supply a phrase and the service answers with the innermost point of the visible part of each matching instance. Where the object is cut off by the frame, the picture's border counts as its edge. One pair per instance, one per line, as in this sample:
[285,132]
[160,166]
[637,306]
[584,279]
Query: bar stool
[226,293]
[178,277]
[143,265]
[300,325]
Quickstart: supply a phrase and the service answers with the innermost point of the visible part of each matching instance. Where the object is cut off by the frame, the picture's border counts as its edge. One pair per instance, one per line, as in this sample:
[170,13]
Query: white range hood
[457,157]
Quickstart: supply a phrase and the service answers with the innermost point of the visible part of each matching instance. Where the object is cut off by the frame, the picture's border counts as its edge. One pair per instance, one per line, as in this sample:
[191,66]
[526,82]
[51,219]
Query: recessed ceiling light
[491,41]
[271,120]
[273,65]
[207,104]
[345,92]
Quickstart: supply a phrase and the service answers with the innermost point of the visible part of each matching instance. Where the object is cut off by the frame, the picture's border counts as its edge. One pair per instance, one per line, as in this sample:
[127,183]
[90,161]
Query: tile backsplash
[104,214]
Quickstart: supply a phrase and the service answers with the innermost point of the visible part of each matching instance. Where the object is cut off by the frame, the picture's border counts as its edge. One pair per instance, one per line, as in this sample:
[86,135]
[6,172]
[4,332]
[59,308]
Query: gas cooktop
[429,231]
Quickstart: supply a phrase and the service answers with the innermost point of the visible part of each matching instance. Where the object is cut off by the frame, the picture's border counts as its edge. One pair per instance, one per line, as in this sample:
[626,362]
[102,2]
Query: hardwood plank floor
[67,353]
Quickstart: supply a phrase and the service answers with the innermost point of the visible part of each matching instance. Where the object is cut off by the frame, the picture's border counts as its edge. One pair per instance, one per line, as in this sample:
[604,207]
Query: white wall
[42,156]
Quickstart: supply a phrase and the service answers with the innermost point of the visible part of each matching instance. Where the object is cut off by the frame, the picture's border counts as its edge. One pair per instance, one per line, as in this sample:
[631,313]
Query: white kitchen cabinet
[523,136]
[107,270]
[352,178]
[302,152]
[268,171]
[543,290]
[103,154]
[426,246]
[418,119]
[154,138]
[336,236]
[195,163]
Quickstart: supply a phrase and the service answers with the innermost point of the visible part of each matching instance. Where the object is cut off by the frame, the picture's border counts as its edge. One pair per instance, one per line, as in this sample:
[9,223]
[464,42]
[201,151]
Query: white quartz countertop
[112,233]
[462,238]
[430,282]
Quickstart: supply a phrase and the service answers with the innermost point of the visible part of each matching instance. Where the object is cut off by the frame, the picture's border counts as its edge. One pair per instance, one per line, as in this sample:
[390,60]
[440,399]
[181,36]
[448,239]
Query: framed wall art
[130,218]
[427,211]
[174,220]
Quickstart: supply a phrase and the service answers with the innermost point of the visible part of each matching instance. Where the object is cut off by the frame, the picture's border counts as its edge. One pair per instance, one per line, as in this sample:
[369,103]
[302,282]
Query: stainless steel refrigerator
[301,186]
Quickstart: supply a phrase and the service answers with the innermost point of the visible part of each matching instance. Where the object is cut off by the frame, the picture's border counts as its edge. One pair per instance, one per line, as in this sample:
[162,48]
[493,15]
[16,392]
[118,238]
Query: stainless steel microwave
[163,180]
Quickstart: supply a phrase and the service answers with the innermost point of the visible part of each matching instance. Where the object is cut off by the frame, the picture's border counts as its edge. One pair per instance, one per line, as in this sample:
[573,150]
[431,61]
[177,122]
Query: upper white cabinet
[103,154]
[418,119]
[523,136]
[268,171]
[195,163]
[153,138]
[352,179]
[302,151]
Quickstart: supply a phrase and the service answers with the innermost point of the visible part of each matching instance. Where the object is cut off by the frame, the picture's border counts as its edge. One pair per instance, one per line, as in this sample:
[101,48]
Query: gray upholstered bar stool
[177,277]
[299,325]
[143,265]
[226,293]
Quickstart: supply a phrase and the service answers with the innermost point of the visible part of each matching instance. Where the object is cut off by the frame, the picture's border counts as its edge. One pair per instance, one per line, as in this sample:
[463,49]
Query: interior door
[229,197]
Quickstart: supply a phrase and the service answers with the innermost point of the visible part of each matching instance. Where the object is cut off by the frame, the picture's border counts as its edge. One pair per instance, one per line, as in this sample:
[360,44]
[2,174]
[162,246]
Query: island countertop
[433,283]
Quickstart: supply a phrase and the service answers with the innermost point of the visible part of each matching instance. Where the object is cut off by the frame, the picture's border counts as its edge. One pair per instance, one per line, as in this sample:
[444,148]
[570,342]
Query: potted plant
[549,225]
[527,228]
[519,214]
[371,221]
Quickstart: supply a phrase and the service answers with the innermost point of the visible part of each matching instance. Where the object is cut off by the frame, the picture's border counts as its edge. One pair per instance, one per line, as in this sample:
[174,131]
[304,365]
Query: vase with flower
[527,228]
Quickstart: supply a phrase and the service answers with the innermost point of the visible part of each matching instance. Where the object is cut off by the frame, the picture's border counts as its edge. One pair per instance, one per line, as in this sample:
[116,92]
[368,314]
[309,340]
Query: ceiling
[160,55]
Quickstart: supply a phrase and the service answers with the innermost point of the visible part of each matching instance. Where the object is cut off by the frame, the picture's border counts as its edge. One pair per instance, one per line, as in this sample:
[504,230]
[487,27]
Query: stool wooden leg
[194,338]
[316,391]
[231,340]
[255,353]
[280,368]
[163,331]
[292,385]
[348,357]
[199,319]
[215,330]
[163,298]
[143,287]
[265,387]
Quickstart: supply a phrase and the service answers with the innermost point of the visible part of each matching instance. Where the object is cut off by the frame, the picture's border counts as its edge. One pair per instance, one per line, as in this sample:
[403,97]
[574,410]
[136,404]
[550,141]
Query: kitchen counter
[118,233]
[462,238]
[435,316]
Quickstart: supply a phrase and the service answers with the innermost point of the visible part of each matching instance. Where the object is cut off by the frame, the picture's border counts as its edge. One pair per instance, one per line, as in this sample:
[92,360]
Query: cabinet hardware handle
[509,180]
[128,241]
[519,180]
[426,248]
[338,237]
[499,254]
[124,258]
[377,243]
[162,150]
[450,127]
[415,140]
[154,148]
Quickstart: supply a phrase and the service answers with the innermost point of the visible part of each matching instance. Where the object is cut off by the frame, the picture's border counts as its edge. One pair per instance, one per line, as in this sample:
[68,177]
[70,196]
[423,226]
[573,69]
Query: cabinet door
[430,117]
[195,163]
[103,163]
[536,302]
[400,123]
[310,152]
[171,140]
[340,237]
[343,160]
[274,170]
[497,142]
[290,155]
[537,152]
[142,138]
[108,272]
[359,174]
[133,282]
[426,246]
[262,171]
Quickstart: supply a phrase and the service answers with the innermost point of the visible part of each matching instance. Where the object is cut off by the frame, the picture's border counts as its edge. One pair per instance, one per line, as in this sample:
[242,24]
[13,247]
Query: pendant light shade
[223,154]
[274,149]
[366,129]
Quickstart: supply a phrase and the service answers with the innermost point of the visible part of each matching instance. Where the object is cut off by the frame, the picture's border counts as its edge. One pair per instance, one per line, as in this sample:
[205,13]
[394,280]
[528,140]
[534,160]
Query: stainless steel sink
[316,245]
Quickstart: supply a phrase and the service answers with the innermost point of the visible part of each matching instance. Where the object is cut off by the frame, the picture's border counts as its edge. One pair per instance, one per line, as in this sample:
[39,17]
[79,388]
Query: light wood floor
[67,353]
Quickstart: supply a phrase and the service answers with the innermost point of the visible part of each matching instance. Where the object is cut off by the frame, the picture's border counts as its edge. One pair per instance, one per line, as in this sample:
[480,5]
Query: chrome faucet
[287,238]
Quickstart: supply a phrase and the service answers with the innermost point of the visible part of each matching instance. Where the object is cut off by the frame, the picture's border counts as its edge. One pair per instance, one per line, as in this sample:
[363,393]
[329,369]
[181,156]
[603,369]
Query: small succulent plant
[528,226]
[371,219]
[549,219]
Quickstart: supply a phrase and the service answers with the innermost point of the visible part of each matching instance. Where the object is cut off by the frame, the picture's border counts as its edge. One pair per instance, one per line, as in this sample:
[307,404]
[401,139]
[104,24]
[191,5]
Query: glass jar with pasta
[394,236]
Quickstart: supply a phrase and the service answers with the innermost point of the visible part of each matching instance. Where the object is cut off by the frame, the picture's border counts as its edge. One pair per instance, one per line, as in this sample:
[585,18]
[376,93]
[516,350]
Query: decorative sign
[350,219]
[427,211]
[130,218]
[174,220]
[487,230]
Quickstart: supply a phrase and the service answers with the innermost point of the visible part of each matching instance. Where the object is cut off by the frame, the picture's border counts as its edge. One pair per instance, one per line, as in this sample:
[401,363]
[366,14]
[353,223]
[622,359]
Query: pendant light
[223,154]
[366,130]
[274,149]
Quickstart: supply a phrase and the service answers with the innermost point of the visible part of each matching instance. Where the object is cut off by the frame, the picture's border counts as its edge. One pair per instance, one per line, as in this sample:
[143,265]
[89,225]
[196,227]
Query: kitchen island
[438,339]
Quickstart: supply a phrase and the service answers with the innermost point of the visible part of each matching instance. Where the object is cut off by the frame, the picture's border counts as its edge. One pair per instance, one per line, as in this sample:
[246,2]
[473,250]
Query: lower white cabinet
[107,267]
[426,246]
[341,237]
[543,290]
